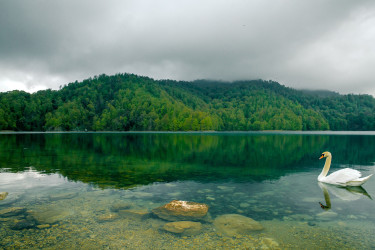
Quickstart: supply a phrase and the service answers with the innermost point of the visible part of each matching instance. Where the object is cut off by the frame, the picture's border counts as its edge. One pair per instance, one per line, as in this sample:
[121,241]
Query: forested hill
[127,102]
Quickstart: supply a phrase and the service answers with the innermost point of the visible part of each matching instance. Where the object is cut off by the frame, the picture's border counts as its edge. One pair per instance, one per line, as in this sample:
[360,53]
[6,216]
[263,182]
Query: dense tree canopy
[127,102]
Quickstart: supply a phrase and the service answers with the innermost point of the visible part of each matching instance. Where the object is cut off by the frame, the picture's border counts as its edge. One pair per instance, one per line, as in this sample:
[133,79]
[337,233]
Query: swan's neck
[326,167]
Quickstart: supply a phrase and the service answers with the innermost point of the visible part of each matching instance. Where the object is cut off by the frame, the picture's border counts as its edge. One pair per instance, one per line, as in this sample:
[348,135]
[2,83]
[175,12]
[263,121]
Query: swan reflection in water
[344,193]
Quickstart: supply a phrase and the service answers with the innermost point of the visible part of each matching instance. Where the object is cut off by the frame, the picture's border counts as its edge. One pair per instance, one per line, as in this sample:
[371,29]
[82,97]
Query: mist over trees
[128,102]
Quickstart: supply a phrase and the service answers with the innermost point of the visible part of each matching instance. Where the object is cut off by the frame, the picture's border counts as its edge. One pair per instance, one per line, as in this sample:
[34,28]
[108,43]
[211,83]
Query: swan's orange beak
[321,157]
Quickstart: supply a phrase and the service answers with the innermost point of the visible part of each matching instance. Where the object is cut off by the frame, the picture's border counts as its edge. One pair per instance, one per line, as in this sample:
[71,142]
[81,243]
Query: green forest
[128,102]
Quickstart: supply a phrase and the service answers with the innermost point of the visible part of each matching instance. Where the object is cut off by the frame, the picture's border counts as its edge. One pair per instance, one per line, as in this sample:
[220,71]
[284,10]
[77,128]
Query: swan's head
[324,155]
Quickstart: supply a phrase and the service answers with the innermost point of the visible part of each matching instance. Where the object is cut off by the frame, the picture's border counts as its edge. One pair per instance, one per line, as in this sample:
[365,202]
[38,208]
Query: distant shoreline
[291,132]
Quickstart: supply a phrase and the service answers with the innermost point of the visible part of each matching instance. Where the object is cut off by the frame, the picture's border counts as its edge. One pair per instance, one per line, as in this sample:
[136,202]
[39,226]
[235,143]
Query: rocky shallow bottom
[147,234]
[114,219]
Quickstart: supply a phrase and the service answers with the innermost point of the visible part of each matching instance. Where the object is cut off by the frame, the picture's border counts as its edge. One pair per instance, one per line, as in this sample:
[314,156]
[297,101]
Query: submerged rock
[244,205]
[3,195]
[311,223]
[12,211]
[135,213]
[235,224]
[120,206]
[326,215]
[50,216]
[44,226]
[23,224]
[269,243]
[185,228]
[301,217]
[107,217]
[181,210]
[175,194]
[62,196]
[210,198]
[226,188]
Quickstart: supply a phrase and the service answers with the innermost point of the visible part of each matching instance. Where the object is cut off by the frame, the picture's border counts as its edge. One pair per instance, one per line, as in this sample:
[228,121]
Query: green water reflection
[122,160]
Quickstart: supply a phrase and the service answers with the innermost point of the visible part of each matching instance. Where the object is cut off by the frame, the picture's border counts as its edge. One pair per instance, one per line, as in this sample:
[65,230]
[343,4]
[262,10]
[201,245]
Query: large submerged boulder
[235,224]
[184,228]
[50,215]
[181,211]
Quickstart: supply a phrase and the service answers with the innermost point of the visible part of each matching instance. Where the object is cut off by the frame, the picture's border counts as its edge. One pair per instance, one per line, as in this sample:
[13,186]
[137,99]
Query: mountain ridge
[129,102]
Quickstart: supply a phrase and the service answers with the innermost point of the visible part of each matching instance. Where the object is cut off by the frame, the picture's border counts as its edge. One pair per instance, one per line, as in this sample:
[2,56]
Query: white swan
[343,177]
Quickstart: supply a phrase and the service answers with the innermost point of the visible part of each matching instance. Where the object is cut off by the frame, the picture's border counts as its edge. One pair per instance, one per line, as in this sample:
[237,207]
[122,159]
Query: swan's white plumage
[343,177]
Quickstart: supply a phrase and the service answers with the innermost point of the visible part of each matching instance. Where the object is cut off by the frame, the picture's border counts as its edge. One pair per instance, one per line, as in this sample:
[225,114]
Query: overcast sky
[315,44]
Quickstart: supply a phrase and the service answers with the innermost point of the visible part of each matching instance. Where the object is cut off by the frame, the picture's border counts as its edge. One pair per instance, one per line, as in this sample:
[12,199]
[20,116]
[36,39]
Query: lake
[98,190]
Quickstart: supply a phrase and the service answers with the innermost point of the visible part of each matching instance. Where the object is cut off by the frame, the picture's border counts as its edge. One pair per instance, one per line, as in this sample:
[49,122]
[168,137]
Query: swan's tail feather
[359,181]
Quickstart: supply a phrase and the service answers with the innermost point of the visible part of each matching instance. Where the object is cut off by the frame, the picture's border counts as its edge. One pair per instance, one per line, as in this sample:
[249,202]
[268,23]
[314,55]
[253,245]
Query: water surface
[69,184]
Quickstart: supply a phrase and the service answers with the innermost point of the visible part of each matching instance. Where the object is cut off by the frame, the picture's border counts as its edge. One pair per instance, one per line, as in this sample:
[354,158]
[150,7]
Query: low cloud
[314,44]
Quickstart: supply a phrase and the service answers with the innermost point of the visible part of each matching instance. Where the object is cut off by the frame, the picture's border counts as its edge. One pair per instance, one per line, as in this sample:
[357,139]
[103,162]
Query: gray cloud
[302,44]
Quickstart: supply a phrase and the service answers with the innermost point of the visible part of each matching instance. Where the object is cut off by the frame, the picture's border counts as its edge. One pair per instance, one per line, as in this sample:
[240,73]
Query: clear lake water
[65,189]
